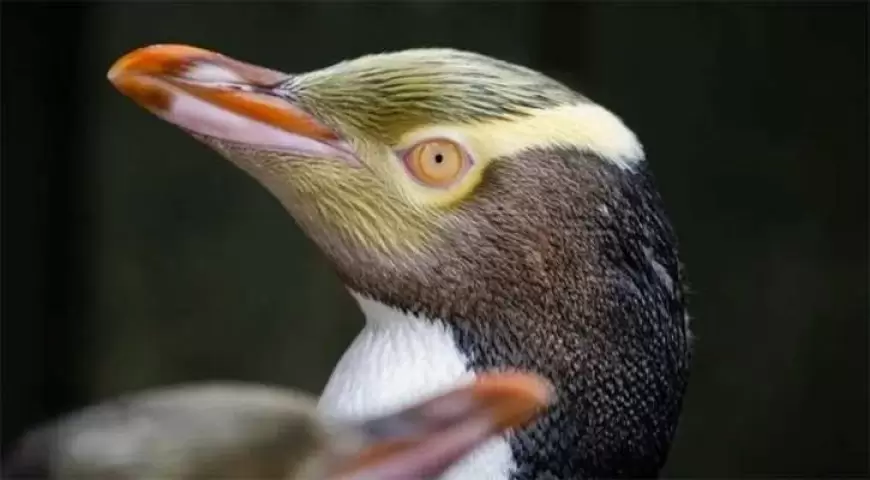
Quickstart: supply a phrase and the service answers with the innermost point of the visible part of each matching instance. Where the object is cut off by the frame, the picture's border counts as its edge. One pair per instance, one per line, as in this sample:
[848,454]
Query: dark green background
[134,257]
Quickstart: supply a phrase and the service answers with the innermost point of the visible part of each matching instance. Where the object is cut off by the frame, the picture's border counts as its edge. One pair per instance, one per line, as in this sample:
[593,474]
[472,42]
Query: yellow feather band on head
[585,126]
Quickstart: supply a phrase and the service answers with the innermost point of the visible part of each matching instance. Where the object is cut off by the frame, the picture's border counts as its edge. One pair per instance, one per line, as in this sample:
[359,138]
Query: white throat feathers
[399,359]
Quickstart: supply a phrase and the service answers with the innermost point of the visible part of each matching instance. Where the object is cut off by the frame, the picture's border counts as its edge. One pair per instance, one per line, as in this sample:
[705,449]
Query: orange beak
[426,439]
[218,97]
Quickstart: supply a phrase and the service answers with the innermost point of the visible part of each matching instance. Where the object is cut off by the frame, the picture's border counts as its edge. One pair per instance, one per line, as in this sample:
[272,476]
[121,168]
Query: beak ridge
[177,60]
[192,87]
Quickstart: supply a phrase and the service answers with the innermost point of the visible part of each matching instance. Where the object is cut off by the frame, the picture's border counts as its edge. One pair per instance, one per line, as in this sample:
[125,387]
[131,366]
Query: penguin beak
[426,439]
[212,95]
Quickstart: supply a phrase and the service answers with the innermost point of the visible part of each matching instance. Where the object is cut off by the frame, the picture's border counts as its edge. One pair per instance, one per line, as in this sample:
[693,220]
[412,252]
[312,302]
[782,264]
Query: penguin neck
[585,289]
[399,359]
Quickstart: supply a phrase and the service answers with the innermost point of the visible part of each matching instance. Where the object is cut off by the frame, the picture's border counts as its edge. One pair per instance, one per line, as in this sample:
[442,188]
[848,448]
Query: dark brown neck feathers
[567,267]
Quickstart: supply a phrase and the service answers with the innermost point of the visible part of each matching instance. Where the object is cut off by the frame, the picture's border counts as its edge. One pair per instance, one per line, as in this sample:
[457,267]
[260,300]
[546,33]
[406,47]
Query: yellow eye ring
[437,163]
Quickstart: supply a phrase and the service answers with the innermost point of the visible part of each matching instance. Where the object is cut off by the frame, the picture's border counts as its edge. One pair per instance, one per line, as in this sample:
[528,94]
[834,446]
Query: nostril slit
[210,73]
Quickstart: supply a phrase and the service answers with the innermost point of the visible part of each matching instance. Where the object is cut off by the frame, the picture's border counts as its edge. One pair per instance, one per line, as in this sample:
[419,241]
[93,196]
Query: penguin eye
[437,163]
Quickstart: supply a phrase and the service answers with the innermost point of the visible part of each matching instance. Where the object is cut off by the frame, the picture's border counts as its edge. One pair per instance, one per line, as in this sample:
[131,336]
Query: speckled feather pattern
[548,269]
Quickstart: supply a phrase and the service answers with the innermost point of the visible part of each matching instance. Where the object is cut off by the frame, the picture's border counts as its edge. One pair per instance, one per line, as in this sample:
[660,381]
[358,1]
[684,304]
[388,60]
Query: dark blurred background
[134,257]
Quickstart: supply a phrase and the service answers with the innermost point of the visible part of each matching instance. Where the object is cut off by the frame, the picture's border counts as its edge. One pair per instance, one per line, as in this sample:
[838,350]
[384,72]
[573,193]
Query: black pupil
[439,158]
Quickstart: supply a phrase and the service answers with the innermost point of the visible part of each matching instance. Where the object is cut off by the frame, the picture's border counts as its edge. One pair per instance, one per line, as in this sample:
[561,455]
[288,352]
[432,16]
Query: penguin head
[440,168]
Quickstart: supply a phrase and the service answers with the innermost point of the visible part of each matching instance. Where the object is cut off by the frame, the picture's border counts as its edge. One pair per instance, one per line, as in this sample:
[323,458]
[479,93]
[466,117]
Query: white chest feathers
[397,360]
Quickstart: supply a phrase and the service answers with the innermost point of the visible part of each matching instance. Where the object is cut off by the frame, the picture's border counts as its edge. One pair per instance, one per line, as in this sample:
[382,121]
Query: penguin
[246,430]
[484,216]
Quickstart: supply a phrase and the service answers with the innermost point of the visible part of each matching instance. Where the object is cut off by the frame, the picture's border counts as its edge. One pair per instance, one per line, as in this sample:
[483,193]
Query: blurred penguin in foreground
[212,431]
